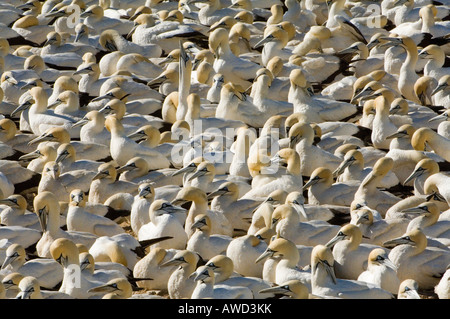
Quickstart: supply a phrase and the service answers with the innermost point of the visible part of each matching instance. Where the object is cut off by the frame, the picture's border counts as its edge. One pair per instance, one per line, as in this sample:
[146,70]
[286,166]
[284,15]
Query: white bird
[409,289]
[104,185]
[204,242]
[301,137]
[324,282]
[112,41]
[205,288]
[225,274]
[322,190]
[78,219]
[66,157]
[286,268]
[233,68]
[377,199]
[352,168]
[180,285]
[30,288]
[428,221]
[286,222]
[123,148]
[47,208]
[350,254]
[411,248]
[316,108]
[164,223]
[97,22]
[65,252]
[47,271]
[61,184]
[151,266]
[17,214]
[381,271]
[238,211]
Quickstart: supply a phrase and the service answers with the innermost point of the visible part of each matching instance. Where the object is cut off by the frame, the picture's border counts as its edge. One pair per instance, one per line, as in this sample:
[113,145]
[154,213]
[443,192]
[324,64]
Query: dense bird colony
[238,149]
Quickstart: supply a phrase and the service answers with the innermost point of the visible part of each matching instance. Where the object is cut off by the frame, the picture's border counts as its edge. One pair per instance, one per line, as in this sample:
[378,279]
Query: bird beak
[144,192]
[25,105]
[81,122]
[30,156]
[392,41]
[198,224]
[136,135]
[39,139]
[158,80]
[171,209]
[103,289]
[268,253]
[82,71]
[343,166]
[439,88]
[131,31]
[334,240]
[311,182]
[101,97]
[79,34]
[414,175]
[438,118]
[125,168]
[274,290]
[187,169]
[398,241]
[171,262]
[351,49]
[396,135]
[263,41]
[42,215]
[218,192]
[54,104]
[61,157]
[100,175]
[372,44]
[301,210]
[390,264]
[195,175]
[415,210]
[8,261]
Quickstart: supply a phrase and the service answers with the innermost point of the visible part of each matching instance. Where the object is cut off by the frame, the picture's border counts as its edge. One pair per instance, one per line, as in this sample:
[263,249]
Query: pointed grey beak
[196,174]
[30,156]
[263,41]
[339,236]
[187,169]
[439,88]
[311,182]
[218,192]
[81,122]
[413,175]
[338,171]
[398,241]
[268,253]
[61,157]
[25,105]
